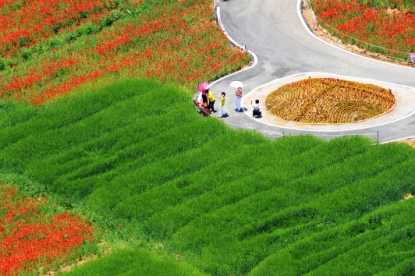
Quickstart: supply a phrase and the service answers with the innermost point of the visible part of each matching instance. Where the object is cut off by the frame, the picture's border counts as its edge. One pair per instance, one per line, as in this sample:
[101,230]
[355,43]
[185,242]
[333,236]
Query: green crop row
[272,220]
[150,169]
[380,241]
[135,262]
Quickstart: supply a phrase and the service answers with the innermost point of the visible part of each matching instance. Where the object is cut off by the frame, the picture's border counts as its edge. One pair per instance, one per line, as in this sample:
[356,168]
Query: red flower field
[55,47]
[386,27]
[31,237]
[51,48]
[47,50]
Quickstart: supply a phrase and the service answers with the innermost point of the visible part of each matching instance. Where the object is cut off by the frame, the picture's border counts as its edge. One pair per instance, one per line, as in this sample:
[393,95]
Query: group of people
[209,101]
[238,98]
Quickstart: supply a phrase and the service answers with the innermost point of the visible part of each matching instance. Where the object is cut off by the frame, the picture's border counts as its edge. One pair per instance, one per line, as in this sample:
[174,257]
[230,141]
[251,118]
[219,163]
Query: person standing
[222,112]
[238,98]
[204,97]
[211,99]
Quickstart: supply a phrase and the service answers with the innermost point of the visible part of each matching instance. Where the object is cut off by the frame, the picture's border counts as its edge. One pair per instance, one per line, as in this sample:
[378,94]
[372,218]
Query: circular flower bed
[329,100]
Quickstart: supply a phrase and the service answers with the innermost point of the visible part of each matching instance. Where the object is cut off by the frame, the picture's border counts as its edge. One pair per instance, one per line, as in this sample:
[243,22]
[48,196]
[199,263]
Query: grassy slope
[203,197]
[135,262]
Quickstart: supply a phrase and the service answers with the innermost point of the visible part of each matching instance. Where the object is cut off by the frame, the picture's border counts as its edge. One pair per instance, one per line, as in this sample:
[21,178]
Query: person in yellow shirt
[211,99]
[222,112]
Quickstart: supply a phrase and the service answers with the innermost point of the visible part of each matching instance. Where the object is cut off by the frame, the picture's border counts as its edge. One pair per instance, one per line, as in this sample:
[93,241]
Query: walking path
[285,50]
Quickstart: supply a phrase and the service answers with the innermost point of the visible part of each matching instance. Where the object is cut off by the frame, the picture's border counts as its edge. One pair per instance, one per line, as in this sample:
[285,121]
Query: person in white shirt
[238,97]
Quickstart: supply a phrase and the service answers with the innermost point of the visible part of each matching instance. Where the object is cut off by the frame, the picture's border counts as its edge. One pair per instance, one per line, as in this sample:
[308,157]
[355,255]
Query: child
[222,113]
[257,110]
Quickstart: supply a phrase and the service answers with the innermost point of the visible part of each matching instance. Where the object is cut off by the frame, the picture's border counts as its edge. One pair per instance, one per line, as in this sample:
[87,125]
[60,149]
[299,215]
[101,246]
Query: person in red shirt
[238,98]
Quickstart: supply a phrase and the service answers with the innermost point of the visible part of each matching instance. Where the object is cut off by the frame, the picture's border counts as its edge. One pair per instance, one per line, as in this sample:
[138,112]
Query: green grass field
[176,193]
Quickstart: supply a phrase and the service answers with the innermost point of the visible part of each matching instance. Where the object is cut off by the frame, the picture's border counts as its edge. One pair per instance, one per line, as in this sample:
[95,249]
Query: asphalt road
[283,47]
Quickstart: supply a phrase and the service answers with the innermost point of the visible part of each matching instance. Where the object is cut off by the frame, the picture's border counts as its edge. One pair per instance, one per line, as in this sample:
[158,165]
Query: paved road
[283,46]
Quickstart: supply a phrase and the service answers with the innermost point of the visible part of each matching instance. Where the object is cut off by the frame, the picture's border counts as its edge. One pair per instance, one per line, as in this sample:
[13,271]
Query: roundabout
[285,50]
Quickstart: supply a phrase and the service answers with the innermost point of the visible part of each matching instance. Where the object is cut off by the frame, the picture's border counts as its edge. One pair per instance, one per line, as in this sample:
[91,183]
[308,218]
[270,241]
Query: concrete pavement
[285,50]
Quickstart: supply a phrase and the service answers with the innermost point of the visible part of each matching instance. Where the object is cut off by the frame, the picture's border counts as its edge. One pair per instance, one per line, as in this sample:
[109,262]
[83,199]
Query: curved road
[274,31]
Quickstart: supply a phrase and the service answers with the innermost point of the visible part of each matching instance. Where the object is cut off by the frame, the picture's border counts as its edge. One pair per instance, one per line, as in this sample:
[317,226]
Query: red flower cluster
[178,44]
[39,20]
[387,30]
[28,235]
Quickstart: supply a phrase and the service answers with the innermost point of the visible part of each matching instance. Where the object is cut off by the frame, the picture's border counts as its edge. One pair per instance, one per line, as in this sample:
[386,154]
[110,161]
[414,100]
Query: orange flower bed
[50,48]
[385,27]
[328,100]
[31,237]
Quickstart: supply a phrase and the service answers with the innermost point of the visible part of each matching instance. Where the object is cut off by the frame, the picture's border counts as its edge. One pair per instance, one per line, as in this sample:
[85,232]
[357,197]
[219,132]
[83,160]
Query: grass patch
[191,195]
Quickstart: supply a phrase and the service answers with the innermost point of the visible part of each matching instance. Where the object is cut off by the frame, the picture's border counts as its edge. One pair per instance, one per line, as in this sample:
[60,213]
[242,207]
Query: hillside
[97,121]
[190,195]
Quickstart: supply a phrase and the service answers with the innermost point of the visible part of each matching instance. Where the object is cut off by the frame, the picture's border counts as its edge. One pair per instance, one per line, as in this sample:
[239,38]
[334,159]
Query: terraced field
[192,196]
[165,190]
